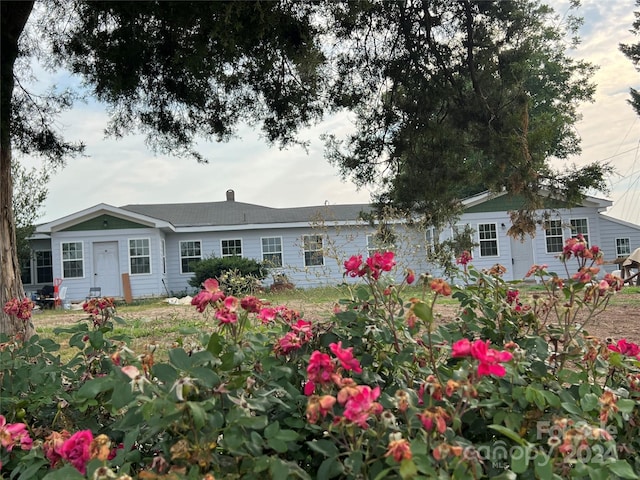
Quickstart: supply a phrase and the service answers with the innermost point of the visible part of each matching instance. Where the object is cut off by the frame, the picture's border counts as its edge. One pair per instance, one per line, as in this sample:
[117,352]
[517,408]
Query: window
[25,270]
[623,247]
[579,225]
[312,246]
[163,252]
[554,237]
[272,251]
[139,256]
[44,266]
[190,254]
[430,240]
[43,263]
[377,244]
[72,260]
[231,248]
[488,237]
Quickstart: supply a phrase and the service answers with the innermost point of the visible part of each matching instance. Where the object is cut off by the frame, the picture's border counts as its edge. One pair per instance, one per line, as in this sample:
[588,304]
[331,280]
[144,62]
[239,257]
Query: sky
[125,171]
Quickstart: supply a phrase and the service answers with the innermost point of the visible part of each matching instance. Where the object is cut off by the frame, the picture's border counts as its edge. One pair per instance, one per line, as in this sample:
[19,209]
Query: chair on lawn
[94,292]
[61,296]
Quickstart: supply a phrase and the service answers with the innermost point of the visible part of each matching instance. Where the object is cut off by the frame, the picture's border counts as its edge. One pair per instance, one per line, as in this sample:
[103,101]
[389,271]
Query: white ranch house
[150,249]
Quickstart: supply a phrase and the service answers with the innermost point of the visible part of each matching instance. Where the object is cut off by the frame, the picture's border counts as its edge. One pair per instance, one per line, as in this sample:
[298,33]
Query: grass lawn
[154,321]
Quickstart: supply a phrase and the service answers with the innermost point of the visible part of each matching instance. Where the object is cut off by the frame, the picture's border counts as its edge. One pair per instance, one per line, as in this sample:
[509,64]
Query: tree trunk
[14,16]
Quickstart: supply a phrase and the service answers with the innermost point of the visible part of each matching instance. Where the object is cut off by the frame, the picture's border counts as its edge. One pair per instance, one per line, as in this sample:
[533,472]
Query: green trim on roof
[104,222]
[512,202]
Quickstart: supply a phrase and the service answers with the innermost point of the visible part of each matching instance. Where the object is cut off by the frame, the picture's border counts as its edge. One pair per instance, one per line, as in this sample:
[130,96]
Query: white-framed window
[139,256]
[163,253]
[430,238]
[623,247]
[272,251]
[488,239]
[553,236]
[376,244]
[313,247]
[580,225]
[72,259]
[190,254]
[231,248]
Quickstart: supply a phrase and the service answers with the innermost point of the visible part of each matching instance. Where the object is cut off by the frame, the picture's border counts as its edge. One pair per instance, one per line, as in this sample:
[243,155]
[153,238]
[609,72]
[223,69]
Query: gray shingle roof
[238,213]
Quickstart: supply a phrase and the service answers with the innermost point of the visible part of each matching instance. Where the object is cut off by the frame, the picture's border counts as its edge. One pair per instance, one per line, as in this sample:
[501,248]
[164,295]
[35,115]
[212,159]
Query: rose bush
[512,385]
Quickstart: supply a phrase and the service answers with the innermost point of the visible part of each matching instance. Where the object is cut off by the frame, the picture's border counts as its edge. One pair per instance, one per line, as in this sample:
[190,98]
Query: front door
[106,268]
[521,256]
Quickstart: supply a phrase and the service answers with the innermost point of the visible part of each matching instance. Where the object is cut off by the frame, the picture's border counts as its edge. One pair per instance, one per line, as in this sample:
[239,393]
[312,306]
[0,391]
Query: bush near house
[237,273]
[509,388]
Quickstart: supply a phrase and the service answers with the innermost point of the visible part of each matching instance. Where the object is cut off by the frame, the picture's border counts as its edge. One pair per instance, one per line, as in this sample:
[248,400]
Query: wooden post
[126,287]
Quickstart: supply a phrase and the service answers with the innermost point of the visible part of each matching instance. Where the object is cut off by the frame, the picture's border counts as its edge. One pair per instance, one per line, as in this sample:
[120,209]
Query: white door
[521,256]
[106,268]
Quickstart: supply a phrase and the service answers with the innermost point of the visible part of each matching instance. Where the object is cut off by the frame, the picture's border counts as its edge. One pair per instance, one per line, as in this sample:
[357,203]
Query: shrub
[510,387]
[214,267]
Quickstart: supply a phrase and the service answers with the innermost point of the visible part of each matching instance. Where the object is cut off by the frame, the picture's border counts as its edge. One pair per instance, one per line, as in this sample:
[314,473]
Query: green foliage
[632,52]
[239,274]
[458,98]
[512,386]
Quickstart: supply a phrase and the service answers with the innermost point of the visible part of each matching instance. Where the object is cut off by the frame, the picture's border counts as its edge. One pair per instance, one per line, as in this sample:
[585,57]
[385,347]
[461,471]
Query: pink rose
[76,450]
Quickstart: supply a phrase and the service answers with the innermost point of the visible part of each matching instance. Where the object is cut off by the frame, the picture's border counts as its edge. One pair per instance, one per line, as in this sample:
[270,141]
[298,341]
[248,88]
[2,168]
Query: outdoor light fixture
[105,223]
[503,226]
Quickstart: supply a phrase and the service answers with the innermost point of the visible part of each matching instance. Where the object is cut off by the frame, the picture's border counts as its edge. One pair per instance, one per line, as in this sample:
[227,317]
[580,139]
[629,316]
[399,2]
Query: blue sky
[119,172]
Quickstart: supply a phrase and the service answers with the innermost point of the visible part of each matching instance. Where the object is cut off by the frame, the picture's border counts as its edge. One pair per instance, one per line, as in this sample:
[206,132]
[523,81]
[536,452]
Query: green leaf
[215,344]
[408,469]
[277,445]
[551,398]
[278,468]
[626,405]
[543,465]
[198,414]
[325,447]
[272,430]
[519,459]
[424,312]
[33,466]
[165,373]
[622,469]
[509,434]
[330,468]
[589,402]
[180,359]
[65,473]
[287,435]
[94,387]
[571,408]
[122,395]
[256,423]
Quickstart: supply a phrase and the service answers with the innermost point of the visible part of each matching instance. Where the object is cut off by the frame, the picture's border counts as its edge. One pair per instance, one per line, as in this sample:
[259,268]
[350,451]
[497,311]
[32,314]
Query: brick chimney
[231,196]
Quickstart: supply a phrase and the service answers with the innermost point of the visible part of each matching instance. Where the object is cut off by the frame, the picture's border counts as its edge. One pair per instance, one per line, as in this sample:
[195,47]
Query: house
[150,250]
